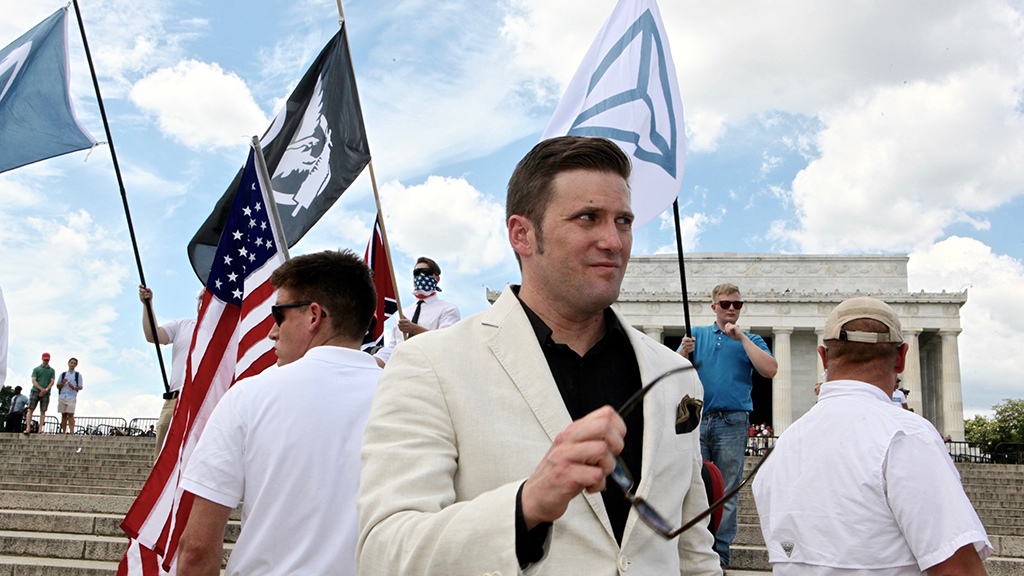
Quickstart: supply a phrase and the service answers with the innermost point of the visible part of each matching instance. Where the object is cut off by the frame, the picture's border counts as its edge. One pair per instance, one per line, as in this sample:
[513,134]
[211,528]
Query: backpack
[78,377]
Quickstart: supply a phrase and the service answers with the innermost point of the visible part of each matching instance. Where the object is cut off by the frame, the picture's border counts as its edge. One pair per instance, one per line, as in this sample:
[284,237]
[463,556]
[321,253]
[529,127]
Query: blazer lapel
[650,368]
[514,344]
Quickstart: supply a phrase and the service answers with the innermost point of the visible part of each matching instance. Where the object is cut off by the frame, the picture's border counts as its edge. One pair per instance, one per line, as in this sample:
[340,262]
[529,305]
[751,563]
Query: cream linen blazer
[461,418]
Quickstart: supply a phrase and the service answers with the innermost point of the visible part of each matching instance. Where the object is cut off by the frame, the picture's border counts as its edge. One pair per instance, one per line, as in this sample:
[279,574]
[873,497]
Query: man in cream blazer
[469,434]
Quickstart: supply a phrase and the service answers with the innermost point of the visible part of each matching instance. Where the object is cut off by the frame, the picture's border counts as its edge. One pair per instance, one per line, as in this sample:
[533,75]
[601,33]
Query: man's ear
[823,352]
[315,316]
[521,235]
[901,357]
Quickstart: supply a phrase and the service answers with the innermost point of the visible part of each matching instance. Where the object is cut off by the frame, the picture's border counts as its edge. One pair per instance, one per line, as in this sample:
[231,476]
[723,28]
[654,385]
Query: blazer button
[623,563]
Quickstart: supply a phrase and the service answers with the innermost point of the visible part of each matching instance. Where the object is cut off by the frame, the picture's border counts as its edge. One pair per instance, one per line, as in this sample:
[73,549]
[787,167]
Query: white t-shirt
[180,334]
[434,315]
[298,476]
[859,485]
[898,398]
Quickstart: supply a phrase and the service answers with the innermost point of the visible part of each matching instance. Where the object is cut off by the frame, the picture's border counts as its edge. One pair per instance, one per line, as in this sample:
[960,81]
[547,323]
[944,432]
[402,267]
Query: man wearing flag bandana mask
[428,312]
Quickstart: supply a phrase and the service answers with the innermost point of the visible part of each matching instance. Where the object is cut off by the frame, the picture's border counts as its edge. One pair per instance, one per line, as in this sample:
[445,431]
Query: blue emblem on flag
[665,144]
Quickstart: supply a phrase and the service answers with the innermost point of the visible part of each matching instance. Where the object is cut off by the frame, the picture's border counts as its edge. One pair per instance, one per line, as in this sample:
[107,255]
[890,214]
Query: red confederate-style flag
[377,259]
[230,343]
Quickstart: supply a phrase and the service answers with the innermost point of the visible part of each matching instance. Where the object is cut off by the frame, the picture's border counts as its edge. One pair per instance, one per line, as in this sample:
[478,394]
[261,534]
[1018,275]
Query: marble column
[820,333]
[952,395]
[782,384]
[912,371]
[655,332]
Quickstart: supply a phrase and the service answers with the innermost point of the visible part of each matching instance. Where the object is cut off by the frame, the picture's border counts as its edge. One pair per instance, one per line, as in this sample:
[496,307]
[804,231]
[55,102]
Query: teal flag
[37,120]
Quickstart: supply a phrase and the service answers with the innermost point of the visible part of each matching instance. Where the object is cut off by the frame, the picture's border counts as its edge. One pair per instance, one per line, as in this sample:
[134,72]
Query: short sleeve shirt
[180,334]
[74,377]
[724,369]
[43,375]
[297,482]
[898,398]
[857,474]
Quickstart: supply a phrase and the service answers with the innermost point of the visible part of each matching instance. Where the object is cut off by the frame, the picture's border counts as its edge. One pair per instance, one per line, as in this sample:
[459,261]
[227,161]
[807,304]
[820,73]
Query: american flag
[377,259]
[230,343]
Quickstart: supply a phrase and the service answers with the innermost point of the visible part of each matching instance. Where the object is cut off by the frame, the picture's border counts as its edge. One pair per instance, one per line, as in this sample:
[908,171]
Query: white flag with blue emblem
[37,120]
[626,90]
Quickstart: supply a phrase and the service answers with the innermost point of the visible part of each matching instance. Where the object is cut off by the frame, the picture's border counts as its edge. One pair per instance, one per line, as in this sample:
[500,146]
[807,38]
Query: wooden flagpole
[373,182]
[124,199]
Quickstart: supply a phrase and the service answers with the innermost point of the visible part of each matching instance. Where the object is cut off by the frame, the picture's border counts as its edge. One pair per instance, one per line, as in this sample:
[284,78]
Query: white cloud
[60,277]
[690,229]
[992,319]
[200,105]
[448,219]
[743,57]
[898,167]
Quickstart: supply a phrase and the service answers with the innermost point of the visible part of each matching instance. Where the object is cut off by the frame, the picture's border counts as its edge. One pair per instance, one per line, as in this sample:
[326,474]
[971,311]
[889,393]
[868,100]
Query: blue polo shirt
[725,369]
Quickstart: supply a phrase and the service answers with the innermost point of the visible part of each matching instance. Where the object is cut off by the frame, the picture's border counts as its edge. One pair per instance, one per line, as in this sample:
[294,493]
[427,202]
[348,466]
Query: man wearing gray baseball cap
[858,485]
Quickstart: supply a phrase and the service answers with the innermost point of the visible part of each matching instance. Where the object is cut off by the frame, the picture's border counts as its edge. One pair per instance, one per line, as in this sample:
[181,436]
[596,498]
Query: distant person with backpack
[68,385]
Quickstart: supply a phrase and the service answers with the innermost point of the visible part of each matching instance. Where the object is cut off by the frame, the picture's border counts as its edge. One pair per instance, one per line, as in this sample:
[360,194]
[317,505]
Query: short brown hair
[431,265]
[339,282]
[862,352]
[530,190]
[723,290]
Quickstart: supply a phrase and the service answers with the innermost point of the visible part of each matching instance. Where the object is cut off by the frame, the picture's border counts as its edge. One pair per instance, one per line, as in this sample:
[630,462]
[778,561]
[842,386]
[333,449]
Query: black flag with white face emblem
[315,149]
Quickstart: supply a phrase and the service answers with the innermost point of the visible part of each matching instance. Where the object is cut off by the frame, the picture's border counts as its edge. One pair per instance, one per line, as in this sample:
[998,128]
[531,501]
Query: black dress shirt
[608,374]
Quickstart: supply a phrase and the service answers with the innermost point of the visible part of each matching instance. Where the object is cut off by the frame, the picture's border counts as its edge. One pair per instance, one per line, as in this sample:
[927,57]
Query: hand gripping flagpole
[373,183]
[124,198]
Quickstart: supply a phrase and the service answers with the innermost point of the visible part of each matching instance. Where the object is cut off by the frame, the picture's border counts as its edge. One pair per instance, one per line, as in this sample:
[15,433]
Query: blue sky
[869,127]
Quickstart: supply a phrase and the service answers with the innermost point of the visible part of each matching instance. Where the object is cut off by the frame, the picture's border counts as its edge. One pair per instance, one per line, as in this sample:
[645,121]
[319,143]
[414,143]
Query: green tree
[981,429]
[1006,426]
[1009,420]
[6,393]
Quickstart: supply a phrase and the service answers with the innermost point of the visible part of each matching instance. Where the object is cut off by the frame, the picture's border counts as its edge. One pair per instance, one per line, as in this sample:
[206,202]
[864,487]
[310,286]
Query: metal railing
[961,451]
[98,425]
[142,425]
[1008,453]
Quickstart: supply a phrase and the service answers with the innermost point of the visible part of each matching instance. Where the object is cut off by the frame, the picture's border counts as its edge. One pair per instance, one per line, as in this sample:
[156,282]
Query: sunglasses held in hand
[621,476]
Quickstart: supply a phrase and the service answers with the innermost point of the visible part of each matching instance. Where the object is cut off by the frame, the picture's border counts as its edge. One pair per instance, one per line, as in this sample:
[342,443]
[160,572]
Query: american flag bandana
[424,286]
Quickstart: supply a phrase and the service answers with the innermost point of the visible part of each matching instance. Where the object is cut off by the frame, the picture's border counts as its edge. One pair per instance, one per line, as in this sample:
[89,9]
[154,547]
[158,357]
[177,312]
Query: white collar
[837,388]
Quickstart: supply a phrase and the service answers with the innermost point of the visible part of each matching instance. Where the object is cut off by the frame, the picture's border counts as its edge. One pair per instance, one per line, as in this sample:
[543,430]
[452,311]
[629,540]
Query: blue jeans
[723,439]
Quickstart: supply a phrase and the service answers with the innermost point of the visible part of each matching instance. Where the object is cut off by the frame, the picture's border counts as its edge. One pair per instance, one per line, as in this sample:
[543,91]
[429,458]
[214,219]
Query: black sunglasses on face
[277,310]
[421,272]
[726,304]
[624,480]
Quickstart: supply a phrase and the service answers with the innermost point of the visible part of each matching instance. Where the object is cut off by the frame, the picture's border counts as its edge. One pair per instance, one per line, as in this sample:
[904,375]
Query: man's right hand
[686,345]
[145,293]
[579,459]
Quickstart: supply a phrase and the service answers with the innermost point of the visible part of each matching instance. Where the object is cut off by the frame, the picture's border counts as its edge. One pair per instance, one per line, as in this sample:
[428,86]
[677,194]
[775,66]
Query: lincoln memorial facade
[786,300]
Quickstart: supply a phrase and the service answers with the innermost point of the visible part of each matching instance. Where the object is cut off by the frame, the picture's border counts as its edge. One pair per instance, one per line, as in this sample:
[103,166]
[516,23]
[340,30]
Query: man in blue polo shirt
[727,357]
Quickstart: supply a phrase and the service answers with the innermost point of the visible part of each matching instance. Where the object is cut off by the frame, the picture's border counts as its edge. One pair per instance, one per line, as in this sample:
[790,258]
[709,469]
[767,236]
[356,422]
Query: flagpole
[268,193]
[682,269]
[124,197]
[373,182]
[384,238]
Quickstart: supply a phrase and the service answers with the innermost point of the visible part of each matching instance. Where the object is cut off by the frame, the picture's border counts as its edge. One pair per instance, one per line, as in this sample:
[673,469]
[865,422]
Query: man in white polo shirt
[297,476]
[858,485]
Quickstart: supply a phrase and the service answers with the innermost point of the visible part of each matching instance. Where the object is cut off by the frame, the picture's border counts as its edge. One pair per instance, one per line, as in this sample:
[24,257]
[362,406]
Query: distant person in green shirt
[42,381]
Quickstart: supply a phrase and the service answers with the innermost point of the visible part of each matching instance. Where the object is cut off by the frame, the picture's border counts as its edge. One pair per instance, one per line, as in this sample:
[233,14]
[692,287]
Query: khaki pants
[163,424]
